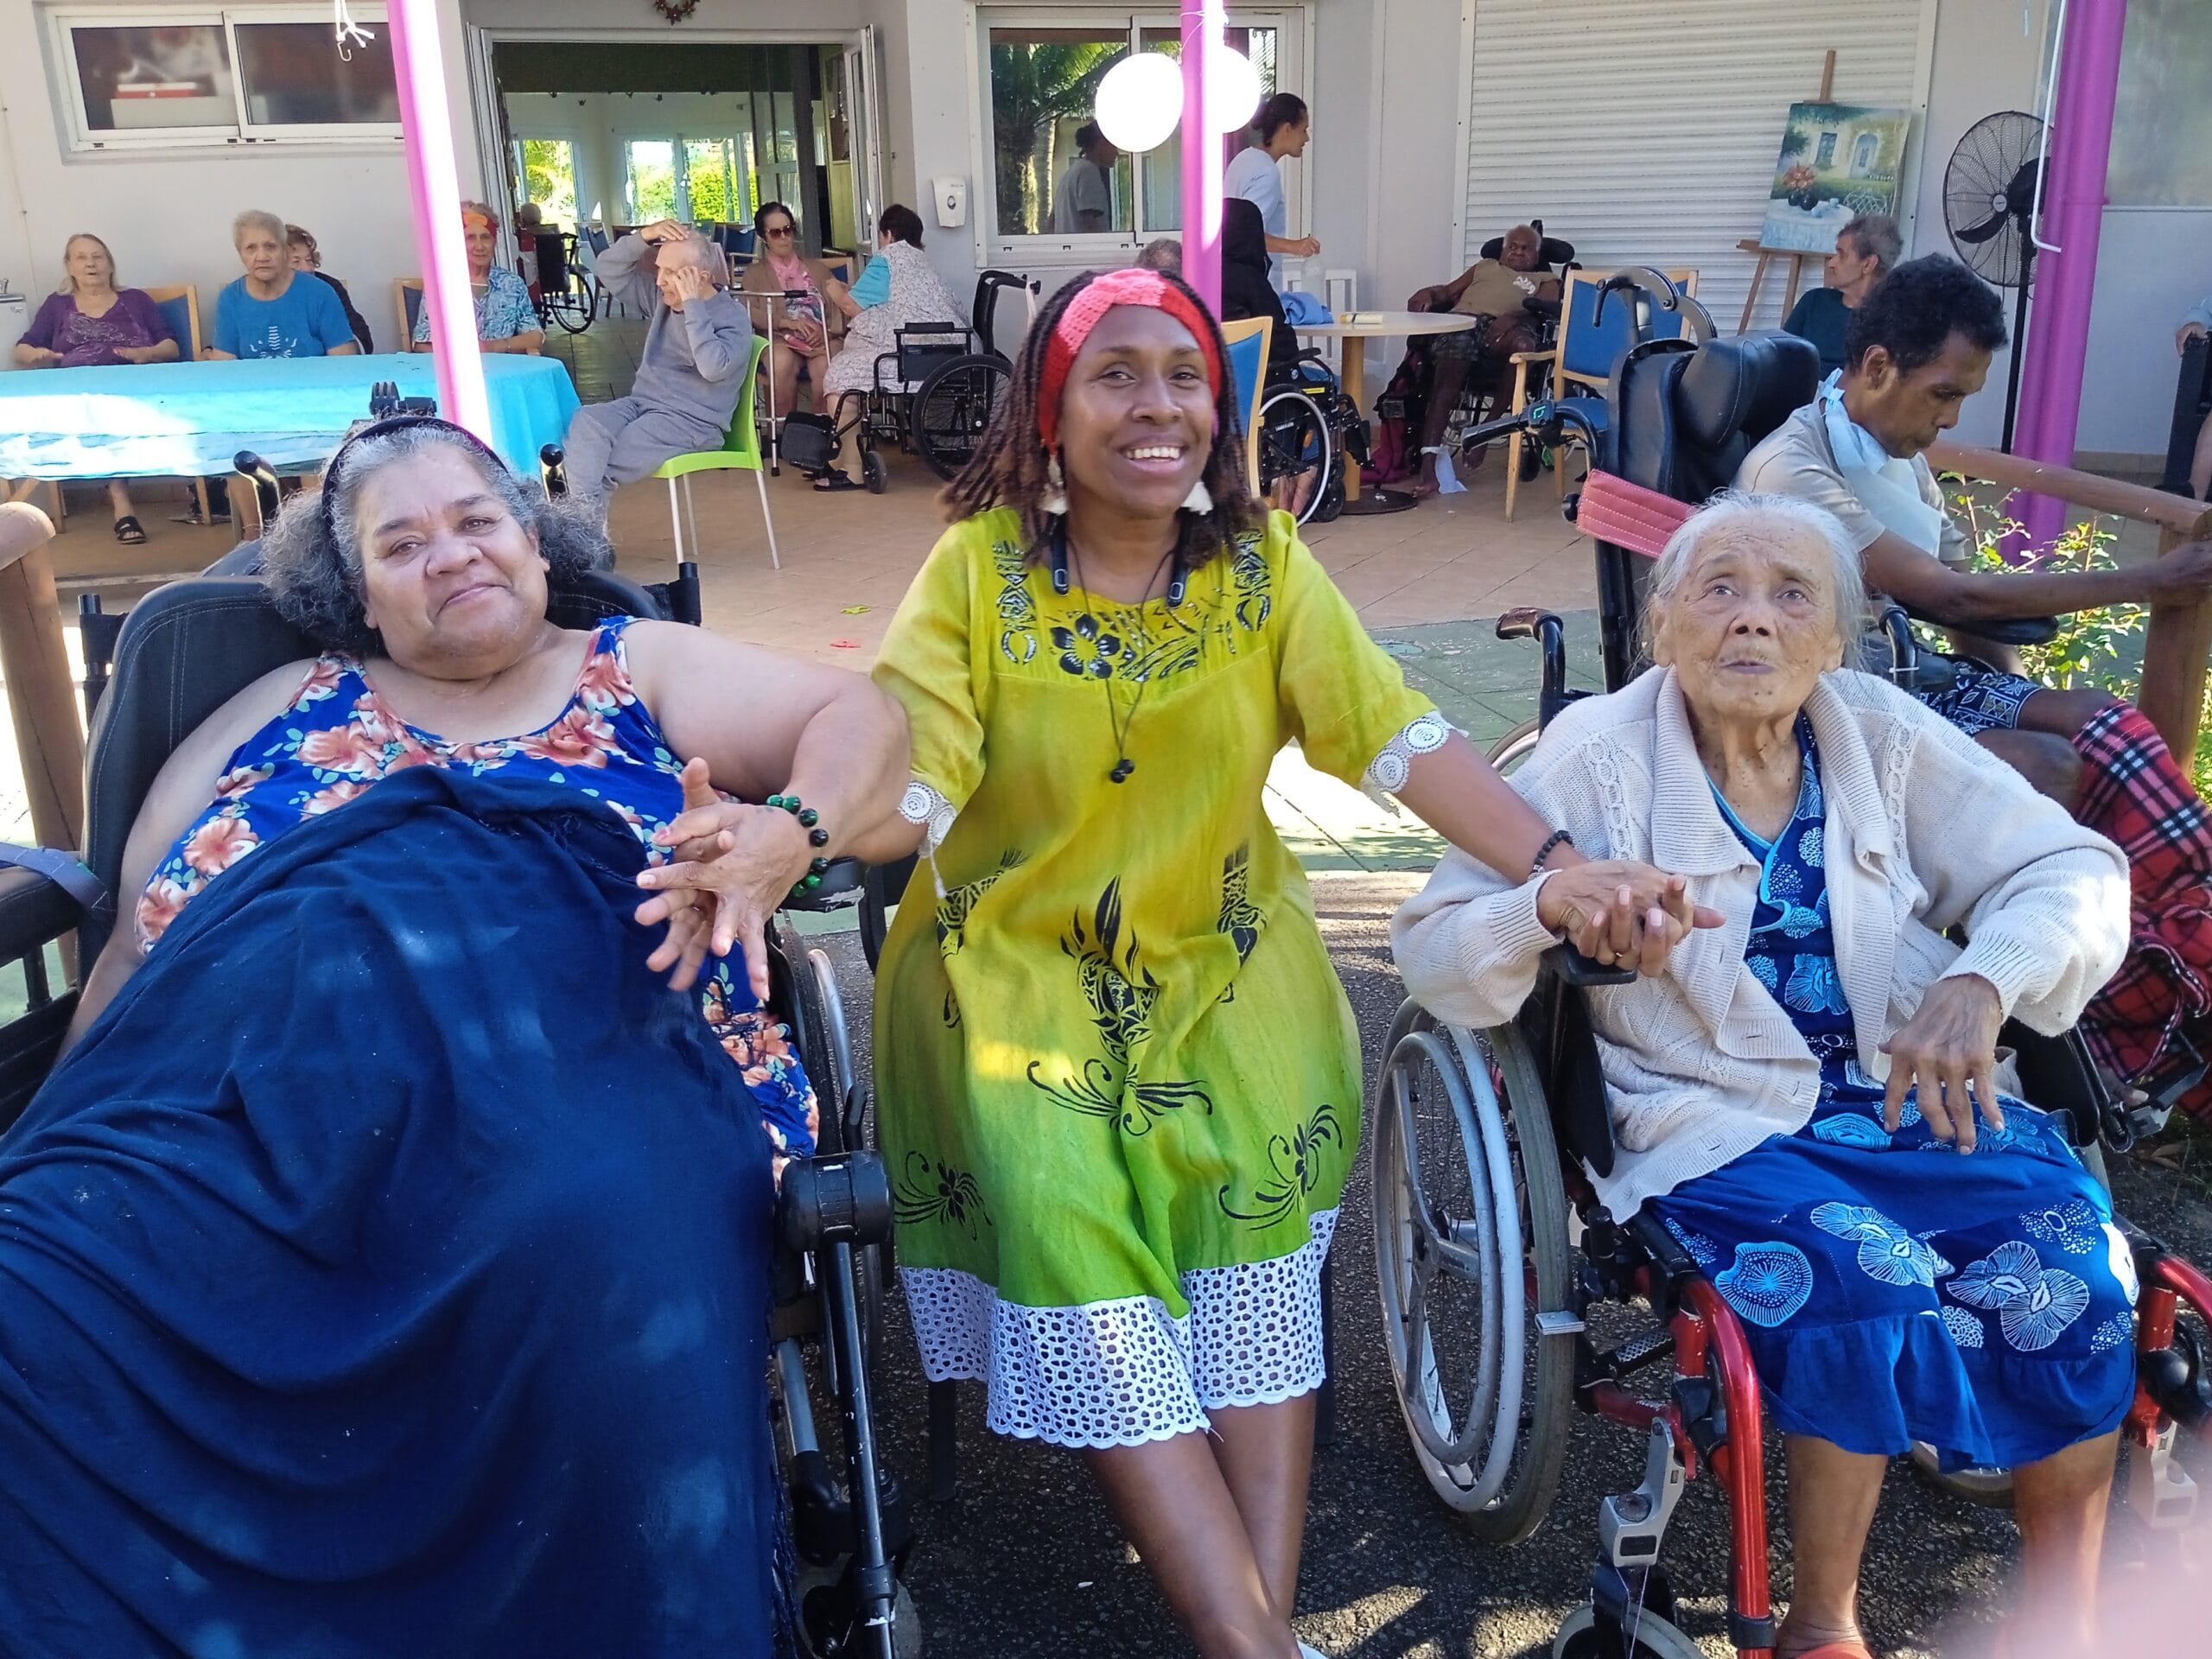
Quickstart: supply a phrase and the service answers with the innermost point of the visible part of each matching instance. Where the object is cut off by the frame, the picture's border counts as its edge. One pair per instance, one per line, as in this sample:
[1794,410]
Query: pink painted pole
[1202,40]
[2058,345]
[435,191]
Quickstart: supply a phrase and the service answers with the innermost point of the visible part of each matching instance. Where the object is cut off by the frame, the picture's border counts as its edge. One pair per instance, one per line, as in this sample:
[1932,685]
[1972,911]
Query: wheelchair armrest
[1536,305]
[2057,1075]
[840,889]
[1578,971]
[1999,630]
[842,1198]
[34,909]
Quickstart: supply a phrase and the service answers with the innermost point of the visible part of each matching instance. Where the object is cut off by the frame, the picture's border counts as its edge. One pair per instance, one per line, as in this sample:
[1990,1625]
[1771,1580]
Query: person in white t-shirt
[1084,201]
[1284,125]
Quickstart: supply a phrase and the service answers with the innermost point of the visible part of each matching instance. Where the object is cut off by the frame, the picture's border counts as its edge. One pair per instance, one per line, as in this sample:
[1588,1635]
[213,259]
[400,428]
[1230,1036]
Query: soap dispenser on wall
[951,197]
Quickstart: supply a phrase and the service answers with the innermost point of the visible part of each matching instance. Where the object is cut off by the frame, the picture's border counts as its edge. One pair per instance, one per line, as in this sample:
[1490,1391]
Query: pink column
[1202,40]
[434,189]
[2065,282]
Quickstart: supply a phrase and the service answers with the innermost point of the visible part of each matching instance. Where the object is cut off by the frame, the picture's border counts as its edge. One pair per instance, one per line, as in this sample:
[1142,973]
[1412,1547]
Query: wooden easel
[1796,256]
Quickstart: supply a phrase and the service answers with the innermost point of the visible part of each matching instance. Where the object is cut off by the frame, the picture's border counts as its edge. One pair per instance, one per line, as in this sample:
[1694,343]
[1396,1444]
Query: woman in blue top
[506,317]
[270,312]
[424,1305]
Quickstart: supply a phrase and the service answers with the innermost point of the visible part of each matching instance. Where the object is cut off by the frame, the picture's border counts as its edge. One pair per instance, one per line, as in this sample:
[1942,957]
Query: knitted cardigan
[1925,831]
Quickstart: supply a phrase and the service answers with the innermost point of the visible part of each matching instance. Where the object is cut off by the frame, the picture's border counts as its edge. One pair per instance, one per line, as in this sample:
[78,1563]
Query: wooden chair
[1581,361]
[1248,342]
[407,301]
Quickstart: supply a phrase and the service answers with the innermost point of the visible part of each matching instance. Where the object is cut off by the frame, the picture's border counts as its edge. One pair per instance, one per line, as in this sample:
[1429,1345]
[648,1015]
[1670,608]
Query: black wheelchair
[169,662]
[932,395]
[1510,1295]
[1307,425]
[567,293]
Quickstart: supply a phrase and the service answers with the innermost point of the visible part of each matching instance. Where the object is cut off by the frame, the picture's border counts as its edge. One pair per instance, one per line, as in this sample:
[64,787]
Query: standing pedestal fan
[1989,205]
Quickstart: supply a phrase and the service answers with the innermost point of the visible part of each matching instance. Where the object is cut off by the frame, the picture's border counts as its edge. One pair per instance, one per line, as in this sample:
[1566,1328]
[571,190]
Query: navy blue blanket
[387,1272]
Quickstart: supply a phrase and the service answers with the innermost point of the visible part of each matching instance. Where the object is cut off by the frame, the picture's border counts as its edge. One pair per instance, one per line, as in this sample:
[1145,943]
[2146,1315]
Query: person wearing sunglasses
[798,301]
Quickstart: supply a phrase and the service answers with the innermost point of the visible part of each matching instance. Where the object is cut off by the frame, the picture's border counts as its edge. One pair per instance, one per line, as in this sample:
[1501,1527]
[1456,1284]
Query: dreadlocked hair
[1007,467]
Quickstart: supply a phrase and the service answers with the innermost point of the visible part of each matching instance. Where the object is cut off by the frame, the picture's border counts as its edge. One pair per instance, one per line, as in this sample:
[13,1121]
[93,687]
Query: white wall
[167,213]
[2152,263]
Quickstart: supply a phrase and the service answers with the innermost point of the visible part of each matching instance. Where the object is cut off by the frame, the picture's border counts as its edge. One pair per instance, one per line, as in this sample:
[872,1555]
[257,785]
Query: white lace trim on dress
[1126,1371]
[1387,772]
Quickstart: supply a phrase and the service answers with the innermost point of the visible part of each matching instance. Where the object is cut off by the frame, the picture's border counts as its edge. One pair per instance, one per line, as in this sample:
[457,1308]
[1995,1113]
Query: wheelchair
[1510,1296]
[172,660]
[1308,422]
[567,293]
[932,394]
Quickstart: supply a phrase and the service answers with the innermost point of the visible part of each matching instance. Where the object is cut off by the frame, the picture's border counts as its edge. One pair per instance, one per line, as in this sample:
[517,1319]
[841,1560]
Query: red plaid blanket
[2132,792]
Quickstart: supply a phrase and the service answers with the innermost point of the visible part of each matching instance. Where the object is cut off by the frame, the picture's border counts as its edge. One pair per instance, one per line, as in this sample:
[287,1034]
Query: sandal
[129,531]
[830,482]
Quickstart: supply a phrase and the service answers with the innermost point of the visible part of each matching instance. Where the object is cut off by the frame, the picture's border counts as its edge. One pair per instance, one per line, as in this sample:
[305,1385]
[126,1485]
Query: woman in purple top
[90,322]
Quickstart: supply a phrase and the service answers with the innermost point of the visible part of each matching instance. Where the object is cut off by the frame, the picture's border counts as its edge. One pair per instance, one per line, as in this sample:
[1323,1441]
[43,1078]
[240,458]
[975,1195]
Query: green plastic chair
[740,449]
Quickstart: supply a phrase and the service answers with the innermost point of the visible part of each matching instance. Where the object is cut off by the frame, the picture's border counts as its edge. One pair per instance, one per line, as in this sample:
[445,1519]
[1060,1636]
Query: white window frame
[62,21]
[1073,249]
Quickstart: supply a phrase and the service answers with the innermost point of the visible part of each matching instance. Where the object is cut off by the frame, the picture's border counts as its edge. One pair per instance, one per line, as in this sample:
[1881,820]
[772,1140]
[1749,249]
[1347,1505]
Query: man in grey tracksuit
[697,344]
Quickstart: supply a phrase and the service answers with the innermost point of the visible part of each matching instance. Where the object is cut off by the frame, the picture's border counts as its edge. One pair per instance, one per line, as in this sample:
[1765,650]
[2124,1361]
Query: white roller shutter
[1645,131]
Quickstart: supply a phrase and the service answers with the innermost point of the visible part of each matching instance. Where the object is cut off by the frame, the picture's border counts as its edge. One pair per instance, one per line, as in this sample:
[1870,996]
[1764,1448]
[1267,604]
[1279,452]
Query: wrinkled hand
[2185,572]
[1617,912]
[1421,299]
[1306,246]
[738,862]
[2184,334]
[693,284]
[41,357]
[665,230]
[1948,1049]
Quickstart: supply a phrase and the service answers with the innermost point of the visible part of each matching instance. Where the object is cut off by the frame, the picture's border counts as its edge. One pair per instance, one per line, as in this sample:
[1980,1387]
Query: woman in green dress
[1118,1083]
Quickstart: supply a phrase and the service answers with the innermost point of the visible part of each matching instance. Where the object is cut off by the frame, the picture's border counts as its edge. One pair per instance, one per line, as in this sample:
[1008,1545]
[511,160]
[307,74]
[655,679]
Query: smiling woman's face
[1136,415]
[447,575]
[1752,627]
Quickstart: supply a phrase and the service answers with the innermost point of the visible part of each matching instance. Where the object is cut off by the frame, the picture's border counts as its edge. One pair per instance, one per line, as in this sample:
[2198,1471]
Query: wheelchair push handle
[1650,285]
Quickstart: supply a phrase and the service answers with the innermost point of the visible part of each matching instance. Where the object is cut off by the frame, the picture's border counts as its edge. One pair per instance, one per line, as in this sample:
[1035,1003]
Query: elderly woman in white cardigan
[1811,1095]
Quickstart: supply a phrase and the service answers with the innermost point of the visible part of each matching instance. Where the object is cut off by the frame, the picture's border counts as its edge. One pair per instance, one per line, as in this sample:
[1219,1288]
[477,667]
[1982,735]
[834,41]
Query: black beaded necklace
[1116,721]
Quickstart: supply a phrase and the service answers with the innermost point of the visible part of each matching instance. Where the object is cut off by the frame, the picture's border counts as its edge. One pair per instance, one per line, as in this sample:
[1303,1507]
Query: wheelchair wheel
[872,473]
[1987,1488]
[1470,1249]
[819,1594]
[1580,1638]
[1515,747]
[1294,442]
[953,409]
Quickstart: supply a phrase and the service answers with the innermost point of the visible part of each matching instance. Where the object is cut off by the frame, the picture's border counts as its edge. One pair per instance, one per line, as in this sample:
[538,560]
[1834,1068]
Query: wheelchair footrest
[844,1198]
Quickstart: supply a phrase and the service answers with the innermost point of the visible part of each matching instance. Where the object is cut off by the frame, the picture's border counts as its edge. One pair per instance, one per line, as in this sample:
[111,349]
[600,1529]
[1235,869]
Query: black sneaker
[196,517]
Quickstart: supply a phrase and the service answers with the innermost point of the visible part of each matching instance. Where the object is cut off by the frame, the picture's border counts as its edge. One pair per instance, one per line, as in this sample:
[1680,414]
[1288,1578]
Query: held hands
[1617,912]
[734,864]
[1948,1048]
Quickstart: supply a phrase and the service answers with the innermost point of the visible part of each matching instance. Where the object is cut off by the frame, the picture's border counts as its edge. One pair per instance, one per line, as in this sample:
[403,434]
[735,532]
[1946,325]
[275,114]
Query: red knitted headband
[1135,286]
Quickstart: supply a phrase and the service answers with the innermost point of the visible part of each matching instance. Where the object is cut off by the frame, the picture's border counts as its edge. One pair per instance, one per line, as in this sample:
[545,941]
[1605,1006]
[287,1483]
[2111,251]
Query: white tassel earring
[1056,490]
[1200,501]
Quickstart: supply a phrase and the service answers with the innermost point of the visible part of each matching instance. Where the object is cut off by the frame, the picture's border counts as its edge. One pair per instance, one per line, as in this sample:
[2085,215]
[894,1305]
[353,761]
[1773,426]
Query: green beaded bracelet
[817,836]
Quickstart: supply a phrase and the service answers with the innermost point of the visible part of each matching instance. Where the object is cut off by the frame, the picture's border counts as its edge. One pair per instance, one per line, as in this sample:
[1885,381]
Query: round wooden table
[1355,328]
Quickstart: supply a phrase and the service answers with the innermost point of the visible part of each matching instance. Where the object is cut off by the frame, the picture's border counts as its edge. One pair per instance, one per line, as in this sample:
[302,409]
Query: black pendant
[1122,768]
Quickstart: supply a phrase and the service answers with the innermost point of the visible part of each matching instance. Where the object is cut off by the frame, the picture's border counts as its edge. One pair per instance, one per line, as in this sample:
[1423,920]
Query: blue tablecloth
[171,420]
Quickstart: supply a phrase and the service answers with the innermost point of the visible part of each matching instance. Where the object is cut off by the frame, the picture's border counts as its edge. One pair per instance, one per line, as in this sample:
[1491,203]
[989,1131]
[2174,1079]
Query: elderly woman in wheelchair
[386,1266]
[1811,1098]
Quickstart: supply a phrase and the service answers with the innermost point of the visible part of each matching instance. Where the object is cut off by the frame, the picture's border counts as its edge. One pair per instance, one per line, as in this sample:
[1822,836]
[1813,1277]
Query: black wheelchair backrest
[1683,420]
[188,648]
[1552,251]
[926,348]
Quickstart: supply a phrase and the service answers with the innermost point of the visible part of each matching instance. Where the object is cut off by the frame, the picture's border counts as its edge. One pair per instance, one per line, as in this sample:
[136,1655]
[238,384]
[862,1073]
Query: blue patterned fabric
[1892,1288]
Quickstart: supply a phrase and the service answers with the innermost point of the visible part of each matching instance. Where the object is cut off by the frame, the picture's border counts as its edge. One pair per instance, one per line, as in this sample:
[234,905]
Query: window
[1041,72]
[545,173]
[2162,126]
[255,74]
[649,179]
[696,179]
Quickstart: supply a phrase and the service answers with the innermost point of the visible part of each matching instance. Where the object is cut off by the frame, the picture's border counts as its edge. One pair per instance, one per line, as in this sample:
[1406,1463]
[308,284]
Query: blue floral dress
[337,737]
[1892,1288]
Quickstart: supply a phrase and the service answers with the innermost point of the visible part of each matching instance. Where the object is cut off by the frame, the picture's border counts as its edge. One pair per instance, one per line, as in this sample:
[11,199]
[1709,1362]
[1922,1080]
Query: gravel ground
[1025,1560]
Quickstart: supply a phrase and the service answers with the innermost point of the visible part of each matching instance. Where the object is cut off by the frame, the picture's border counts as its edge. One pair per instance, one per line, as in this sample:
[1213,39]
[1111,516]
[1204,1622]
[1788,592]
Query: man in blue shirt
[266,312]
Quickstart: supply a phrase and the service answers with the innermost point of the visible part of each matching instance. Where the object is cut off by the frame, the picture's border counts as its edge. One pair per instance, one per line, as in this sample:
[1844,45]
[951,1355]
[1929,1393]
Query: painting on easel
[1838,160]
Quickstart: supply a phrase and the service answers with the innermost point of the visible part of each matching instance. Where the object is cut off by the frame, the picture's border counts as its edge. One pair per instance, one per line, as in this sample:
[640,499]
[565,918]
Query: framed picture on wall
[1838,160]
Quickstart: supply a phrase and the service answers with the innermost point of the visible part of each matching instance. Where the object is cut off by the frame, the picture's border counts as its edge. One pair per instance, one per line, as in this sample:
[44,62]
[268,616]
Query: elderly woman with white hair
[690,369]
[1810,1097]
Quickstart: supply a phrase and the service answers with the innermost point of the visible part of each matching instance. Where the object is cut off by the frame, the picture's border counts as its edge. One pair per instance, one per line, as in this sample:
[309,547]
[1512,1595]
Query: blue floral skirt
[1894,1289]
